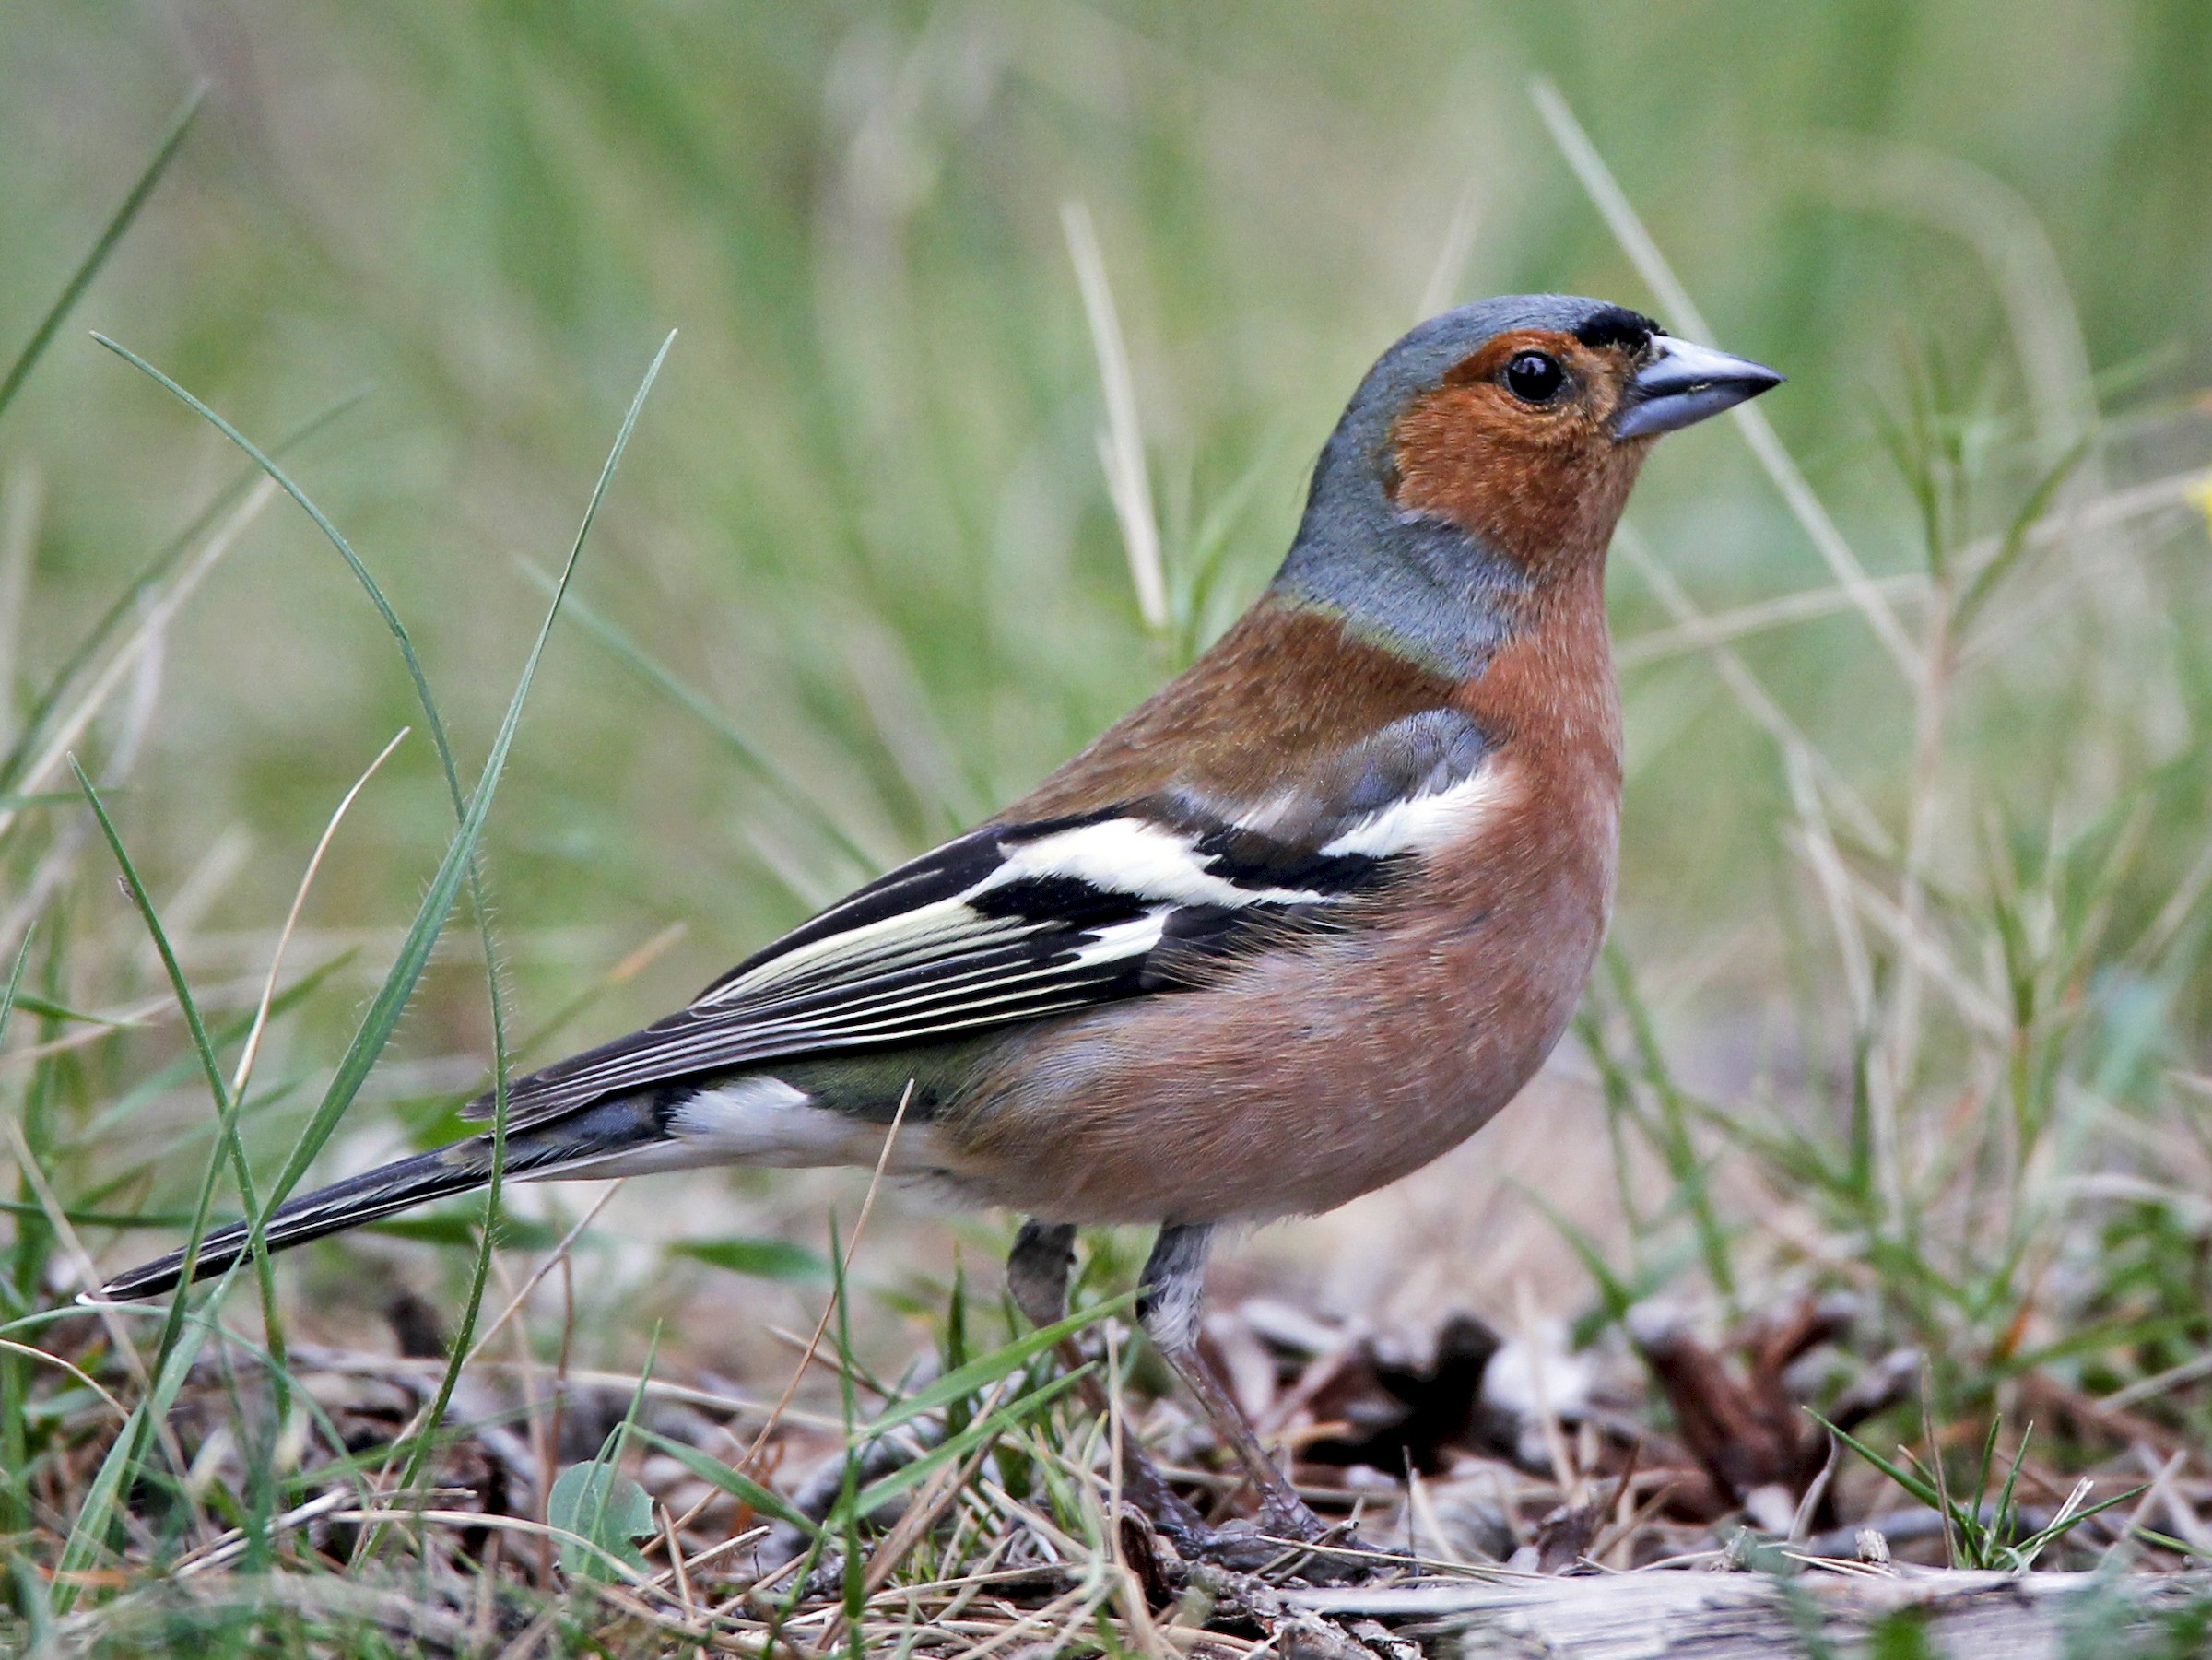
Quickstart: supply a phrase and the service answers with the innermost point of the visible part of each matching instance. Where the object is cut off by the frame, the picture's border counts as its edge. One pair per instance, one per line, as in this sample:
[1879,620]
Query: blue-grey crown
[1424,585]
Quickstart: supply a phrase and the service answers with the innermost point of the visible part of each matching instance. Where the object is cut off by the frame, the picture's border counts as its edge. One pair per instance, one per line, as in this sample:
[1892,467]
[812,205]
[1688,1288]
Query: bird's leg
[1037,1271]
[1167,1306]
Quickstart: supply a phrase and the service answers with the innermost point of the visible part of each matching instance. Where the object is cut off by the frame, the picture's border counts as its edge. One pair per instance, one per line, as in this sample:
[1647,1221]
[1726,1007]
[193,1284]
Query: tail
[583,1143]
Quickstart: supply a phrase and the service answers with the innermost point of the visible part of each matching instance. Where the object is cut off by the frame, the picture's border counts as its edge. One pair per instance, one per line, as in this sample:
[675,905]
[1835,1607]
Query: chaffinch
[1290,930]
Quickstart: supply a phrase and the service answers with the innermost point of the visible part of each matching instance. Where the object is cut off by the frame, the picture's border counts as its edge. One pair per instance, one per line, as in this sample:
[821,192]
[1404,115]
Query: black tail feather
[613,1127]
[364,1198]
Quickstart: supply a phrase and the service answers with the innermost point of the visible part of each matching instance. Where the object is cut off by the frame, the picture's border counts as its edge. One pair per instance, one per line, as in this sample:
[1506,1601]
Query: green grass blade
[10,997]
[1615,1293]
[1985,581]
[102,1219]
[15,1441]
[361,1056]
[1921,1489]
[440,739]
[34,1603]
[384,1013]
[46,1009]
[1989,1456]
[229,1145]
[954,1448]
[761,1500]
[465,1334]
[1670,1135]
[2006,1505]
[89,267]
[982,1372]
[762,1258]
[385,1009]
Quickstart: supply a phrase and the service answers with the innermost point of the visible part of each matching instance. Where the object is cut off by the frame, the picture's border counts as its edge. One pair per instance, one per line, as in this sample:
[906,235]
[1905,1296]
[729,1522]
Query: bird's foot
[1286,1536]
[1281,1543]
[1285,1515]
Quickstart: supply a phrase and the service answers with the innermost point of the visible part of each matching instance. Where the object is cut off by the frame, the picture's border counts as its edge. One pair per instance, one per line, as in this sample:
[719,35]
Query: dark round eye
[1534,378]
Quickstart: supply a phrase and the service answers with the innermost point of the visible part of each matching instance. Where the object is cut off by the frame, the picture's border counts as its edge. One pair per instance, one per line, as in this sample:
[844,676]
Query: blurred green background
[865,520]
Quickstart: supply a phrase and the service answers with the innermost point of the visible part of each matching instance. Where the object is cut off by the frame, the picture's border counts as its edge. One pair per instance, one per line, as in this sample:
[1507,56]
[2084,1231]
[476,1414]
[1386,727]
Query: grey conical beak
[1683,383]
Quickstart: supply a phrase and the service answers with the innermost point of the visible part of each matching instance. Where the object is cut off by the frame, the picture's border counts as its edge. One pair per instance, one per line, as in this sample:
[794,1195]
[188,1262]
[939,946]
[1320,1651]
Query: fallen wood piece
[1661,1614]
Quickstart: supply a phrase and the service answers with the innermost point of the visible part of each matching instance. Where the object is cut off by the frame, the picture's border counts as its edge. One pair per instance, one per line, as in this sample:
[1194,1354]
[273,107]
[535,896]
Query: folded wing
[1015,922]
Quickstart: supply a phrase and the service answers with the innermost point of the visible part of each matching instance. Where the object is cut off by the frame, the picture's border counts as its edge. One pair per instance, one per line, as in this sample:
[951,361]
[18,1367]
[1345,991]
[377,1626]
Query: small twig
[251,1052]
[1817,1490]
[716,1551]
[1122,443]
[232,1544]
[28,1353]
[552,1260]
[1554,1438]
[677,1566]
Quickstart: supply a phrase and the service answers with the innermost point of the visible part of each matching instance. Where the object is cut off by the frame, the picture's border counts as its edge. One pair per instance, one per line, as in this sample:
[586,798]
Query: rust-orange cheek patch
[1522,479]
[1513,479]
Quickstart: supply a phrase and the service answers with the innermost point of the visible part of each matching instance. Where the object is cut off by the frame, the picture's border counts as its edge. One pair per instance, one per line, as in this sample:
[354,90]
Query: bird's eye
[1534,378]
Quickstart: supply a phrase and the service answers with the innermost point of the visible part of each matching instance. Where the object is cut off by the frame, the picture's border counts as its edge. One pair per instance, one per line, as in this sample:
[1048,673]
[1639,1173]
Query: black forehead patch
[1616,325]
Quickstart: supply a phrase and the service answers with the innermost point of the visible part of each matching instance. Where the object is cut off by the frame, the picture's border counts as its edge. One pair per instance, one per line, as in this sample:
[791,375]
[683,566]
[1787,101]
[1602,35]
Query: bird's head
[1491,449]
